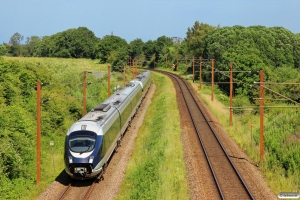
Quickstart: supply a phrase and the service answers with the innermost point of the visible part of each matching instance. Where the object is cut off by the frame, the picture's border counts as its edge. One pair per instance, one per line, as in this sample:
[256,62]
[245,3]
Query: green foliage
[183,49]
[108,46]
[82,43]
[163,43]
[282,141]
[3,50]
[118,58]
[251,49]
[240,101]
[136,48]
[150,48]
[285,75]
[72,43]
[17,127]
[30,45]
[18,116]
[292,90]
[15,41]
[195,38]
[44,48]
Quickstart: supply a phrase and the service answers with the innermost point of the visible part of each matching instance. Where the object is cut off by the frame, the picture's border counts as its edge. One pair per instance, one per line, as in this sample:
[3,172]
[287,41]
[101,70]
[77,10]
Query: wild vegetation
[18,116]
[275,50]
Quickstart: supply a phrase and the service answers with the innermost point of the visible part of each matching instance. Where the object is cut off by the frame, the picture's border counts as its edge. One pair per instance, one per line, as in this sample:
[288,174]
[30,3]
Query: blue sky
[144,19]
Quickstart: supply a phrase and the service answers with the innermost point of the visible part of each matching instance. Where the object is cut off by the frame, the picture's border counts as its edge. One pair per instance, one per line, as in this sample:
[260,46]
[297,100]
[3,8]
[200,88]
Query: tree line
[275,46]
[82,43]
[275,50]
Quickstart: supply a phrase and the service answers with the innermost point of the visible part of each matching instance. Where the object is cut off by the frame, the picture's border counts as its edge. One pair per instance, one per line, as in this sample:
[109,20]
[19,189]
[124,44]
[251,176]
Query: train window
[81,143]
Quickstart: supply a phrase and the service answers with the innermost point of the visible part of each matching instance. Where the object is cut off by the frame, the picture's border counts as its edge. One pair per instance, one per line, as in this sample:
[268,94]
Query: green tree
[163,43]
[283,47]
[15,41]
[30,45]
[195,38]
[252,49]
[182,48]
[118,58]
[296,50]
[107,47]
[45,47]
[3,50]
[72,43]
[136,48]
[150,48]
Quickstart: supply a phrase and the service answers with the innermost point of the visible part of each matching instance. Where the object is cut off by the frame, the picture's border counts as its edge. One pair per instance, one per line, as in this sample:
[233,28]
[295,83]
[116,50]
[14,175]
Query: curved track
[228,181]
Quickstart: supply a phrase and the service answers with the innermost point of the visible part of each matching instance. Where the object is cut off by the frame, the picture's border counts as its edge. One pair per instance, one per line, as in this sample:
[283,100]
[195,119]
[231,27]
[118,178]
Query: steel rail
[90,190]
[64,194]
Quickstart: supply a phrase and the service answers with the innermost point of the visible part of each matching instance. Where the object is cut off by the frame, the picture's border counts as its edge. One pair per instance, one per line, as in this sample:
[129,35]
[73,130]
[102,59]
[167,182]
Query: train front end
[83,151]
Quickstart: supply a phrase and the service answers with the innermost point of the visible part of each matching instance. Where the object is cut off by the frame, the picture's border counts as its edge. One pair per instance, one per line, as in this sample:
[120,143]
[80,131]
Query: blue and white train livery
[91,141]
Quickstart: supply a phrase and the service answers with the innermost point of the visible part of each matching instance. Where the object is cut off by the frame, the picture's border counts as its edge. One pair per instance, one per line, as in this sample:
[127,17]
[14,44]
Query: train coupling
[80,170]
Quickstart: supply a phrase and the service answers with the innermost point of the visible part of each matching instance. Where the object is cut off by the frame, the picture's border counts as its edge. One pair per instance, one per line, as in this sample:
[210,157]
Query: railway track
[79,189]
[228,181]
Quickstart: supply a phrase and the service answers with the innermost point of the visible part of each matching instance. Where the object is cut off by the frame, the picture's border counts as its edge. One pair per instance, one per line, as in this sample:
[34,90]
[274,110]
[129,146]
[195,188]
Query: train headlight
[70,160]
[91,159]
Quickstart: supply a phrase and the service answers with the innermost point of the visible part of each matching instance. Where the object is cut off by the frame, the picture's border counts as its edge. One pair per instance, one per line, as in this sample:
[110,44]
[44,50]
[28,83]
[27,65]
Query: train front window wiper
[86,150]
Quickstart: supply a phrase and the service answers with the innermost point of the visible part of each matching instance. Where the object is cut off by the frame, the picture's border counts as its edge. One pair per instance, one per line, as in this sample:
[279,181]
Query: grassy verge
[157,169]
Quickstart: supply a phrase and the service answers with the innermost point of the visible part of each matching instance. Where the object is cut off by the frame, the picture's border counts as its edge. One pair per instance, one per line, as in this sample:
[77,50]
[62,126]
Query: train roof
[142,77]
[103,110]
[96,117]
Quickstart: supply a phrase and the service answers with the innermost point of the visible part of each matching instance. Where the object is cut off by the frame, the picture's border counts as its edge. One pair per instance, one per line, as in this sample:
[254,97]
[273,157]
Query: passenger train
[91,141]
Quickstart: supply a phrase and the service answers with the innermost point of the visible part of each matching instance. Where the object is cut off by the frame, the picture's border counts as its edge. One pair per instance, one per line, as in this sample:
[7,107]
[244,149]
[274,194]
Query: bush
[240,101]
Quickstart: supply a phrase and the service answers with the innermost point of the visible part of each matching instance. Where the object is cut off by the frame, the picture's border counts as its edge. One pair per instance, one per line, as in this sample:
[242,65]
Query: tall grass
[156,169]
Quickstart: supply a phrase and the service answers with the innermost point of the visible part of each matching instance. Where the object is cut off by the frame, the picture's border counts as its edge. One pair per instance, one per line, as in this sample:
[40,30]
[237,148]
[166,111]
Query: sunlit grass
[75,64]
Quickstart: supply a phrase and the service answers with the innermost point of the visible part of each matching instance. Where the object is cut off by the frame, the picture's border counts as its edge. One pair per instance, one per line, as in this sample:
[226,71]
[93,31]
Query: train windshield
[82,141]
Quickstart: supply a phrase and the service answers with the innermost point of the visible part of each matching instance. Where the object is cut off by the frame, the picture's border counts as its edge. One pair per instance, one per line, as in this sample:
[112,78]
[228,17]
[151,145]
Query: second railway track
[228,181]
